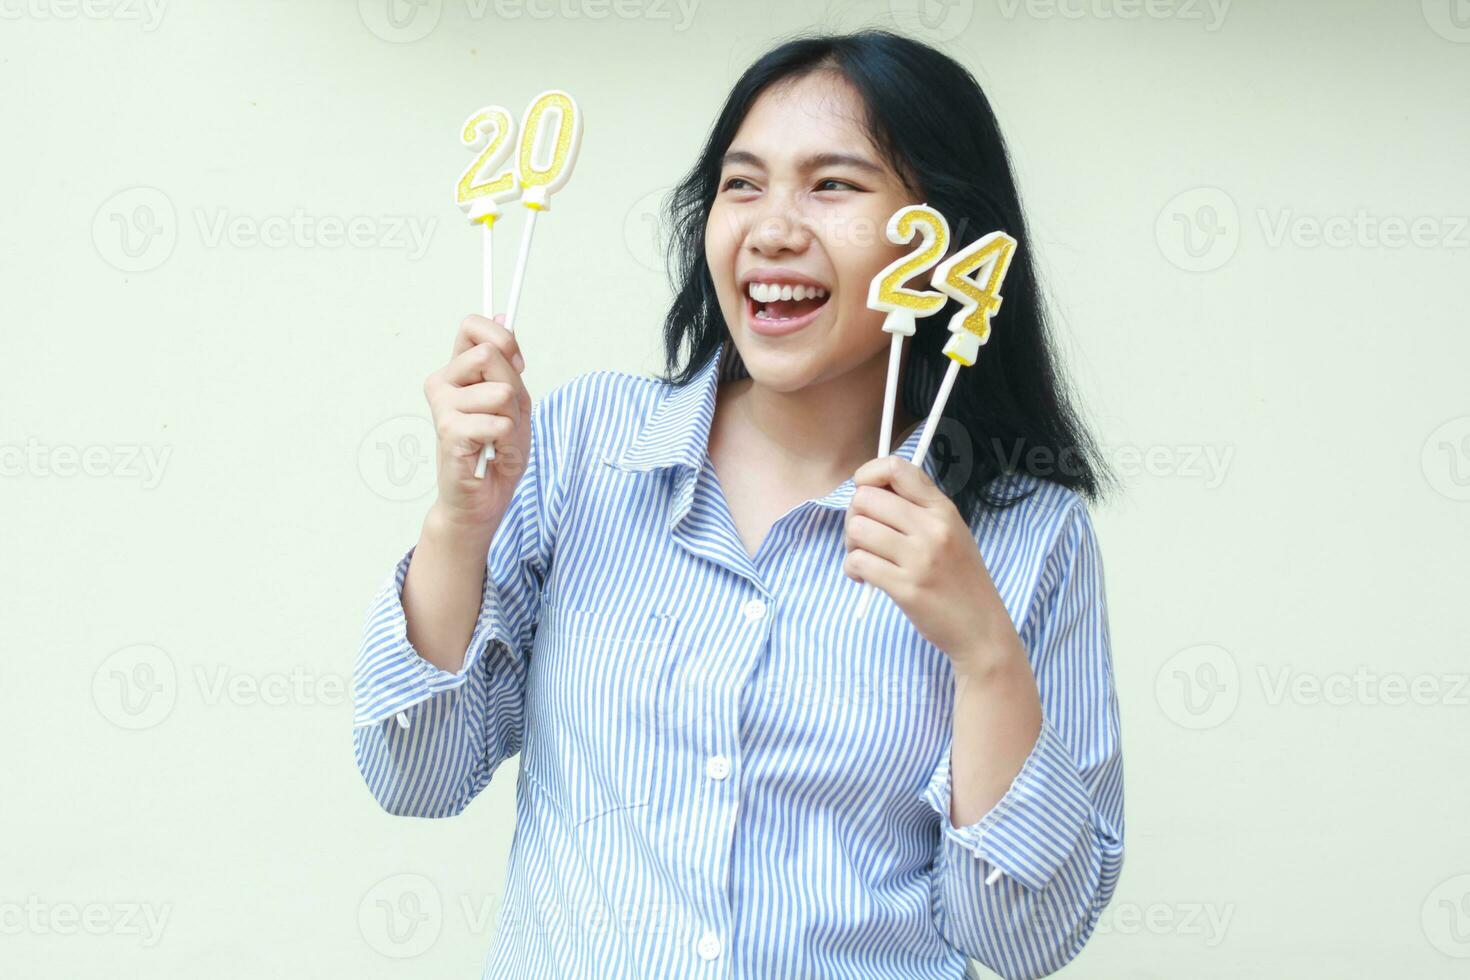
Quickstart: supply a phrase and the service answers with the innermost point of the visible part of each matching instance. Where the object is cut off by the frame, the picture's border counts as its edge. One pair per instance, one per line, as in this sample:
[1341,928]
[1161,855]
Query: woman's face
[801,205]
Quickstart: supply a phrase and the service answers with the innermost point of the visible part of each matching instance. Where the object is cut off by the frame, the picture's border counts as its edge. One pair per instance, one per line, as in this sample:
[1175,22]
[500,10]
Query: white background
[1286,568]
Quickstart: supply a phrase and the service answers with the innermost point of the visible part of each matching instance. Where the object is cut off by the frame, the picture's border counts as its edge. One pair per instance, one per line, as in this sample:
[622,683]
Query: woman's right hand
[478,397]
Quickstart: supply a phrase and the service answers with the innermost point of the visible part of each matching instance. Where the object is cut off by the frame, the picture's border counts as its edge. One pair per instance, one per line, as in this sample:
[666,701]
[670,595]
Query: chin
[787,370]
[780,370]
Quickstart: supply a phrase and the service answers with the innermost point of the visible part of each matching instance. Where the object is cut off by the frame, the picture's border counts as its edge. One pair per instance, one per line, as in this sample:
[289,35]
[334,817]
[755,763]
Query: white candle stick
[890,393]
[487,298]
[520,274]
[920,451]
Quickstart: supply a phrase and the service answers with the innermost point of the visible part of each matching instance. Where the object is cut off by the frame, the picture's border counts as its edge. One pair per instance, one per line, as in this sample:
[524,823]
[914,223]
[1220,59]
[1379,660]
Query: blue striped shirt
[723,772]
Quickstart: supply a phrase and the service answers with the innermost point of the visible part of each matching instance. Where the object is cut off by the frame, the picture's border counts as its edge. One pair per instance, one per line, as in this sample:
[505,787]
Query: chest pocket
[600,700]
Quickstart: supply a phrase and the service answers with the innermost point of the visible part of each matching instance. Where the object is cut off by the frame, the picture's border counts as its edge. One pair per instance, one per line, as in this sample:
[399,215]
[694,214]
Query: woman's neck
[823,432]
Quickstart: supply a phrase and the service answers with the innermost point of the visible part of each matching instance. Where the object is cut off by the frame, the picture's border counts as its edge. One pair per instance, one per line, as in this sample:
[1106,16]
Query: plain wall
[1252,219]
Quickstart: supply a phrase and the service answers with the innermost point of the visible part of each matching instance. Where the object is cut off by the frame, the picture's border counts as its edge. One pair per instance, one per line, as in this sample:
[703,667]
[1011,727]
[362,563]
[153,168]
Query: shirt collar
[677,433]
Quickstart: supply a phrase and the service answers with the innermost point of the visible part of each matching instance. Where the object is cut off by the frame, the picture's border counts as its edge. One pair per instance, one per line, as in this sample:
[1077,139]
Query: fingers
[482,362]
[488,398]
[885,506]
[864,566]
[465,435]
[474,330]
[903,477]
[876,538]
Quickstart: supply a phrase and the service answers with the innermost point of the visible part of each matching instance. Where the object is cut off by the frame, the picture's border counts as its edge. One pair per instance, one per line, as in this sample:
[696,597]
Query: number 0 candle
[543,165]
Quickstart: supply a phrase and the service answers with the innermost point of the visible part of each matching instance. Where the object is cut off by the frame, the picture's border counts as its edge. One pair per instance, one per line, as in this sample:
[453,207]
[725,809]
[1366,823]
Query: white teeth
[769,292]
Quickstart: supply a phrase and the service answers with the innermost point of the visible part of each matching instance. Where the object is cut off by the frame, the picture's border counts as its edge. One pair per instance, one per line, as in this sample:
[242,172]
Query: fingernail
[518,361]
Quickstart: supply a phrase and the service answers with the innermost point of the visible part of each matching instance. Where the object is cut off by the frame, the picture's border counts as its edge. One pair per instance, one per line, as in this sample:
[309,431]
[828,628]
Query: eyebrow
[814,162]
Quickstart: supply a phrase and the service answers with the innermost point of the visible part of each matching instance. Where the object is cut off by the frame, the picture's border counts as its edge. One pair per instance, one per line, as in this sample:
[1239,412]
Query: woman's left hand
[907,538]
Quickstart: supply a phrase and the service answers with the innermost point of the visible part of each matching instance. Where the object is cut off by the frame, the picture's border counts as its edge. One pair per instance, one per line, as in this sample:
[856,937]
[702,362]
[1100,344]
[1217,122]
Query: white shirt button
[753,609]
[402,720]
[709,946]
[717,766]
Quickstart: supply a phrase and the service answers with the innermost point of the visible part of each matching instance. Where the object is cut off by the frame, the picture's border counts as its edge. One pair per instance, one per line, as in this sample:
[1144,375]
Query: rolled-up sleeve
[426,740]
[1022,888]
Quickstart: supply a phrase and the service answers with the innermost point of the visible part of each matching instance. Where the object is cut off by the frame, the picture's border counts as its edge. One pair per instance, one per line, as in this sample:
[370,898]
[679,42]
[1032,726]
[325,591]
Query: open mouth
[781,307]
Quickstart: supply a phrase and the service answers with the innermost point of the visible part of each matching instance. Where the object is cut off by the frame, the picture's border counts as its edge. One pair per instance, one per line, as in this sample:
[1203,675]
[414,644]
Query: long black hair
[1012,404]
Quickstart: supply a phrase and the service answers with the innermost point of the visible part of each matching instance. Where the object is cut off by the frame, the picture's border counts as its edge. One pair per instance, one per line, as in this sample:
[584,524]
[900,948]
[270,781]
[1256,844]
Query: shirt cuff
[390,676]
[1034,828]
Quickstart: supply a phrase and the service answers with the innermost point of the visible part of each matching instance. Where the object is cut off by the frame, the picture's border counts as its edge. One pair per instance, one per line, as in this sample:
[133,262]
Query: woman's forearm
[443,588]
[997,720]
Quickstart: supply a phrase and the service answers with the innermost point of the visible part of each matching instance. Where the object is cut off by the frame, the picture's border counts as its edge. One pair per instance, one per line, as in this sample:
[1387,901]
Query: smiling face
[795,234]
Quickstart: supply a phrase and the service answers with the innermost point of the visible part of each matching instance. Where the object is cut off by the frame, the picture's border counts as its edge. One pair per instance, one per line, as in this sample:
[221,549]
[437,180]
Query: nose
[778,228]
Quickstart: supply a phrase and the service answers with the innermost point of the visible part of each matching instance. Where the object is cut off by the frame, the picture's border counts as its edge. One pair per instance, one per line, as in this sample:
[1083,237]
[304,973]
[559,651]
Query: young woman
[724,771]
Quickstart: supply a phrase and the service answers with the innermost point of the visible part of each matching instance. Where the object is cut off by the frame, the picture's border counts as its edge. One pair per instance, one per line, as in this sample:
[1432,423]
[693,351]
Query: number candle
[969,328]
[538,181]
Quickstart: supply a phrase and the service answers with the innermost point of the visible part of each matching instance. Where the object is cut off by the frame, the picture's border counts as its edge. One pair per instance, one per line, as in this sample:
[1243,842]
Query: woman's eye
[729,185]
[845,186]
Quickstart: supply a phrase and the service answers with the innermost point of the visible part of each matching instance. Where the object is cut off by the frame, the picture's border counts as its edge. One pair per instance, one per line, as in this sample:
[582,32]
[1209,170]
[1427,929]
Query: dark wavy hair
[1013,403]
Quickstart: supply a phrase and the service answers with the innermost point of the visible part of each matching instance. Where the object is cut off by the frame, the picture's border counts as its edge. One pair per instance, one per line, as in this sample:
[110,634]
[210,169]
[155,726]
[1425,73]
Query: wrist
[457,532]
[991,653]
